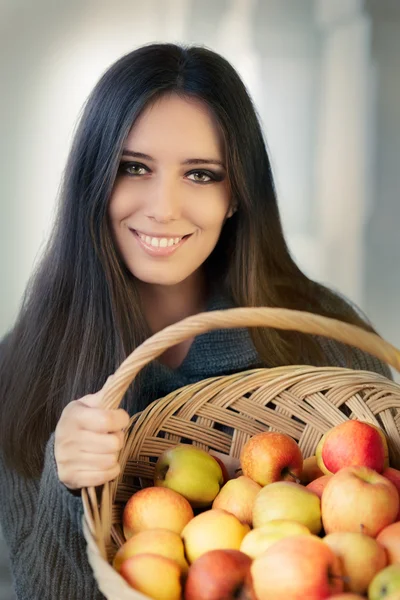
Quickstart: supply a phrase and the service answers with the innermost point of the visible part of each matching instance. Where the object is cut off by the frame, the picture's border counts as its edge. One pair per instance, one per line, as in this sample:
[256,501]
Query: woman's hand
[87,441]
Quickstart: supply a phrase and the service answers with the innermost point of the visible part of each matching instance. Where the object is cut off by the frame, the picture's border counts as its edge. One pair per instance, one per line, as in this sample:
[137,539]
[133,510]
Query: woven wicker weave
[222,413]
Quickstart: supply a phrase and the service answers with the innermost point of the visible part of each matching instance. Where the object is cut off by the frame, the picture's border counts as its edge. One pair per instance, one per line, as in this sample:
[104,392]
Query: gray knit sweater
[41,519]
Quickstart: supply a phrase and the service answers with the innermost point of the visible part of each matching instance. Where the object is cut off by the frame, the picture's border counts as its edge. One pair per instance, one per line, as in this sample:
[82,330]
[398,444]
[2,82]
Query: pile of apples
[270,526]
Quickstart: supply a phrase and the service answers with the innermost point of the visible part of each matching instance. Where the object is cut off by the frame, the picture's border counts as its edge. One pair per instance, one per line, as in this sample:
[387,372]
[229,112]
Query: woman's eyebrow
[189,161]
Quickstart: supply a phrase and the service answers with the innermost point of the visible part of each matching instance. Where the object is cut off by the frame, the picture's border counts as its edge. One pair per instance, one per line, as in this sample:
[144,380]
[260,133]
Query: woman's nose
[164,205]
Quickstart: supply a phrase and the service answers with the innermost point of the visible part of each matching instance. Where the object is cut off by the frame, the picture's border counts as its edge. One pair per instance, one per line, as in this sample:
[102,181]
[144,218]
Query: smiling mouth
[160,245]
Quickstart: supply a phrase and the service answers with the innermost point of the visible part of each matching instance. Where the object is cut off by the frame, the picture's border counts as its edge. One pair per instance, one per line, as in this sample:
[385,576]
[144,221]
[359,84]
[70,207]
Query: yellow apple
[154,576]
[394,476]
[258,540]
[287,500]
[310,470]
[296,568]
[361,558]
[358,499]
[352,444]
[191,472]
[153,508]
[213,529]
[271,456]
[237,497]
[389,538]
[385,584]
[153,541]
[218,575]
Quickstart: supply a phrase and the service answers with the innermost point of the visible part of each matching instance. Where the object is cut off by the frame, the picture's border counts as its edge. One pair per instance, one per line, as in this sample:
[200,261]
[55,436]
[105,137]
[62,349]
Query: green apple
[191,472]
[385,583]
[287,500]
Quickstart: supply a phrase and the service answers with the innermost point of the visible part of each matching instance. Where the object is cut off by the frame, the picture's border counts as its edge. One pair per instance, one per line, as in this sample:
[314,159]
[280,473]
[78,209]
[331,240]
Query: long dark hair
[81,315]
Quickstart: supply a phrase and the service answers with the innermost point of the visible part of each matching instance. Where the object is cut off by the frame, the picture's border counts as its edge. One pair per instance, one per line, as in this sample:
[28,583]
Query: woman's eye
[133,169]
[201,176]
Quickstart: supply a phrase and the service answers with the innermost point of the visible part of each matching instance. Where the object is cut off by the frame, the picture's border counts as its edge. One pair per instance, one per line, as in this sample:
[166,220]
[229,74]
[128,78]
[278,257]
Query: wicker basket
[301,401]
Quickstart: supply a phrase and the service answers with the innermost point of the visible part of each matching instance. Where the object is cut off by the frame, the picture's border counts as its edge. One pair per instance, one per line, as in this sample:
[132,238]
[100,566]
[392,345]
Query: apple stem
[241,593]
[296,479]
[344,578]
[239,470]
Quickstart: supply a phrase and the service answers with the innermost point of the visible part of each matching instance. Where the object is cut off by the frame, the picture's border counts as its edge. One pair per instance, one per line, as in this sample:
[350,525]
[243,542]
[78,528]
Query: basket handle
[277,318]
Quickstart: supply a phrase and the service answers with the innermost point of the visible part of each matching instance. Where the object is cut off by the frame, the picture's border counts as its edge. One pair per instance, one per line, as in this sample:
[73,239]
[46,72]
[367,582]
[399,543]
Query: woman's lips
[158,250]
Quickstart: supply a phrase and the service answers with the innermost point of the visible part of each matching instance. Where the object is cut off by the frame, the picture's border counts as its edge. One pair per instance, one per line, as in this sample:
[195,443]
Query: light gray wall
[382,238]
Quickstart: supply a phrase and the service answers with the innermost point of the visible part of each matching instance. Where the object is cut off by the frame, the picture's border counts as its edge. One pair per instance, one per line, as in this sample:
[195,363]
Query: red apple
[358,499]
[394,476]
[318,485]
[156,507]
[352,444]
[271,456]
[296,568]
[389,538]
[225,475]
[218,575]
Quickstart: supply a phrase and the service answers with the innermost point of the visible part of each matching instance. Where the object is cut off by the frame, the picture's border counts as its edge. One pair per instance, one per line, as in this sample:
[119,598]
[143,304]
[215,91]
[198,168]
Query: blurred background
[325,77]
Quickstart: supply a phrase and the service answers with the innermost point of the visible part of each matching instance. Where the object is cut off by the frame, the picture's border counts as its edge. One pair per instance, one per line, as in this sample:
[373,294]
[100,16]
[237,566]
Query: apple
[318,485]
[385,583]
[310,470]
[394,476]
[226,476]
[154,576]
[389,538]
[191,472]
[258,540]
[347,596]
[152,508]
[218,575]
[213,529]
[287,500]
[297,567]
[271,456]
[361,558]
[153,541]
[352,444]
[358,499]
[237,497]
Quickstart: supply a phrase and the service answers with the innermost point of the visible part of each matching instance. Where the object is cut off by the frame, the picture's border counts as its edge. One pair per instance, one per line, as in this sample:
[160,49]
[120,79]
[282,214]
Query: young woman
[168,208]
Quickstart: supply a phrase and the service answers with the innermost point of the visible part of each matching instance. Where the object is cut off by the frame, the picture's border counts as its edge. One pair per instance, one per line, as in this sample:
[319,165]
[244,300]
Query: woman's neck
[164,305]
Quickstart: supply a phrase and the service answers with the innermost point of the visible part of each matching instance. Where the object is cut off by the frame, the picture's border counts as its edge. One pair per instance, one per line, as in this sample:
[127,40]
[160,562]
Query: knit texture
[41,519]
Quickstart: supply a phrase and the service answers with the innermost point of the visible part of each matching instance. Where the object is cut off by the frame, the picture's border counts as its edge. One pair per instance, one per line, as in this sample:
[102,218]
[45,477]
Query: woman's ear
[232,210]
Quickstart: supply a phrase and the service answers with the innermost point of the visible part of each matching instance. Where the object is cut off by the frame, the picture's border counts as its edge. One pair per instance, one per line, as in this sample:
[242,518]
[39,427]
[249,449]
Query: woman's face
[171,196]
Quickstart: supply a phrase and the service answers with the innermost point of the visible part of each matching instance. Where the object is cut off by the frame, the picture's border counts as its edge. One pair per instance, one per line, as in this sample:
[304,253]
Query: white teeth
[159,242]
